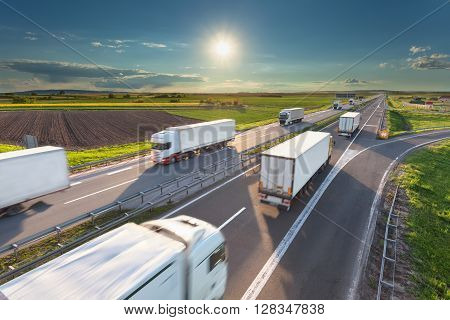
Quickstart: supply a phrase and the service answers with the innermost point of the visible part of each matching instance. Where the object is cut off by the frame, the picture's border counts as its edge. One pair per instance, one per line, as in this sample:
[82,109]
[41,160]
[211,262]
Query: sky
[224,46]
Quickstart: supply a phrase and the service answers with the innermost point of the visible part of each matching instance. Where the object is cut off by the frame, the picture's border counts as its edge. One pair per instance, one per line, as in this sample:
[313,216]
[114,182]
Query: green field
[403,119]
[426,179]
[89,155]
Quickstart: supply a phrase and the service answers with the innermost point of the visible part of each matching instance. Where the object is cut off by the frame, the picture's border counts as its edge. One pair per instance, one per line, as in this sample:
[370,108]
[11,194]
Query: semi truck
[349,123]
[166,259]
[351,102]
[31,173]
[177,143]
[290,116]
[289,166]
[337,105]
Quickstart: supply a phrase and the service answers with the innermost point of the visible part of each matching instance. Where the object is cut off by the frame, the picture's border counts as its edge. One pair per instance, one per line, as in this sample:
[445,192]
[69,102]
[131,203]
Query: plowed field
[84,129]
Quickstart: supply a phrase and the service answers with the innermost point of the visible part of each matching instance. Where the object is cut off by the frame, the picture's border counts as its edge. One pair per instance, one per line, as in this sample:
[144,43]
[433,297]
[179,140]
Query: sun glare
[223,48]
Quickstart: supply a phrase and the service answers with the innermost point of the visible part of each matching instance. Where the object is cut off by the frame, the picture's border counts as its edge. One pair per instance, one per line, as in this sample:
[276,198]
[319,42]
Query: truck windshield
[161,146]
[284,115]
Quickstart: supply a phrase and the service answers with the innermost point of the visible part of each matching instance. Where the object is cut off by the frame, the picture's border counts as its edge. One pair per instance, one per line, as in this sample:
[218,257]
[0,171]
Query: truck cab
[337,105]
[164,147]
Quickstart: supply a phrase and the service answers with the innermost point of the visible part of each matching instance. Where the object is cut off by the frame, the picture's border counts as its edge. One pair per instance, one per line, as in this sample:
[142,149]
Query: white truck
[177,143]
[31,173]
[290,116]
[289,166]
[351,102]
[337,105]
[349,123]
[178,258]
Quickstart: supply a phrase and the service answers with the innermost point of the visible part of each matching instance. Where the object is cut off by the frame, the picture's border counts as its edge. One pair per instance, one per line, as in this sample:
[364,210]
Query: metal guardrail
[110,160]
[390,244]
[138,203]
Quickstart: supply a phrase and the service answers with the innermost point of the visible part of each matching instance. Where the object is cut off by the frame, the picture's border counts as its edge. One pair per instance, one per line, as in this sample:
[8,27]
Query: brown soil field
[84,129]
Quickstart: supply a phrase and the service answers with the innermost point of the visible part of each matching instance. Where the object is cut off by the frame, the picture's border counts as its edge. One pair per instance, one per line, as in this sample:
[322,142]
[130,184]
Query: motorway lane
[94,189]
[253,236]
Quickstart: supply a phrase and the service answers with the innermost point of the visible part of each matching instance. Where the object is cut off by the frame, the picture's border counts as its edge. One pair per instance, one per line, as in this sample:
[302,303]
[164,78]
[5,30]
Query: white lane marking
[171,213]
[231,218]
[263,276]
[362,253]
[100,191]
[75,183]
[119,170]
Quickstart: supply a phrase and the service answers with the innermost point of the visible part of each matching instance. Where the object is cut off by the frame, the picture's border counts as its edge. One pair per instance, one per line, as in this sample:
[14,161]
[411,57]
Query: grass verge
[83,156]
[9,147]
[426,179]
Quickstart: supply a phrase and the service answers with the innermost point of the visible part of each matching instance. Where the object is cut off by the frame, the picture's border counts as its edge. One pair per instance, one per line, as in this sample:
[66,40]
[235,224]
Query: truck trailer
[349,123]
[289,166]
[290,116]
[176,143]
[31,173]
[168,259]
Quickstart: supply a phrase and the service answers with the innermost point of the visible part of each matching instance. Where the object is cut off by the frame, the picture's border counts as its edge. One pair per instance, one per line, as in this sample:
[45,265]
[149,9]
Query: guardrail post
[119,203]
[16,254]
[161,188]
[92,219]
[58,233]
[142,197]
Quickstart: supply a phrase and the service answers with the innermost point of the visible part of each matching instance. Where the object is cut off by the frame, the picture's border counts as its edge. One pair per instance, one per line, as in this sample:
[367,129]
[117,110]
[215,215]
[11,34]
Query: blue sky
[270,45]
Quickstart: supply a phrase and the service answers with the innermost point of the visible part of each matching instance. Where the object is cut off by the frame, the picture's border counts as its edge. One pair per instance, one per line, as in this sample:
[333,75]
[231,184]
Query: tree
[110,96]
[62,92]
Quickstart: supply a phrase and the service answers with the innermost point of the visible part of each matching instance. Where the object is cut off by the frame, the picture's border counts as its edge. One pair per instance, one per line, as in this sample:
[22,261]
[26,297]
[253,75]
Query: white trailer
[289,166]
[290,116]
[178,258]
[349,123]
[31,173]
[176,143]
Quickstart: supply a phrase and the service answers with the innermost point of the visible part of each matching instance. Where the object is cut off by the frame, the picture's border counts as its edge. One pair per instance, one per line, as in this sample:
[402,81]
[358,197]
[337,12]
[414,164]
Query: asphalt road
[100,187]
[316,250]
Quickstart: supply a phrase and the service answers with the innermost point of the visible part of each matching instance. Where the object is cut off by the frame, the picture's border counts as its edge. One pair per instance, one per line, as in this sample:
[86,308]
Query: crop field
[84,129]
[403,118]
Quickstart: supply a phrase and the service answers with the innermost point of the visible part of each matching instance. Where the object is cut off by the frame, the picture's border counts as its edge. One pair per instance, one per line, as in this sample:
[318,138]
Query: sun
[223,49]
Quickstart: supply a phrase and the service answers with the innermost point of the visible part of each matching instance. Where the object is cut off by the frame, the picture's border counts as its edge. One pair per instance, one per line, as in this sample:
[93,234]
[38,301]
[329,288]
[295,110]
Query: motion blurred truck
[167,259]
[290,116]
[177,143]
[31,173]
[289,166]
[349,123]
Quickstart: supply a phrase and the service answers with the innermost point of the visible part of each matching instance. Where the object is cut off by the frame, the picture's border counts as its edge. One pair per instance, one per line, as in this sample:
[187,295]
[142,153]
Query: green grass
[255,111]
[403,119]
[9,147]
[89,155]
[78,157]
[426,179]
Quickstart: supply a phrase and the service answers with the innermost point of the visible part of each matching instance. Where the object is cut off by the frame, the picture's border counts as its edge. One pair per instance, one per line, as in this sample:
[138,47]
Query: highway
[96,188]
[318,248]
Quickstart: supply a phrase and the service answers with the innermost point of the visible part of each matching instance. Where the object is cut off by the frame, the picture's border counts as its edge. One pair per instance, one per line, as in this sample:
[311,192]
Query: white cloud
[383,65]
[96,44]
[31,38]
[435,61]
[120,50]
[414,50]
[153,45]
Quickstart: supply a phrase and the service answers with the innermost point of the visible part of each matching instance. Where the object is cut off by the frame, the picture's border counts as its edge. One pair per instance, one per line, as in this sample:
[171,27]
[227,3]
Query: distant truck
[178,258]
[290,116]
[289,166]
[351,102]
[337,105]
[31,173]
[349,123]
[176,143]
